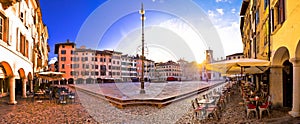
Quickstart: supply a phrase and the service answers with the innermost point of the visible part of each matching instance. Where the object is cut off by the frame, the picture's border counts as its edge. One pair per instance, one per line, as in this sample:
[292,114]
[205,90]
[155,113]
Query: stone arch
[7,68]
[20,82]
[297,52]
[280,55]
[22,73]
[29,76]
[80,81]
[282,76]
[71,81]
[90,80]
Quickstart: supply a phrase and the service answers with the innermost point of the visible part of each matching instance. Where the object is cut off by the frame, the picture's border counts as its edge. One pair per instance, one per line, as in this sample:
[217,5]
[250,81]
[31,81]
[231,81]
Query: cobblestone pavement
[28,111]
[89,109]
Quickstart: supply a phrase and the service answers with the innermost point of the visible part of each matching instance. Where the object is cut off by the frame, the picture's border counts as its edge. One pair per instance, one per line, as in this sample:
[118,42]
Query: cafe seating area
[210,104]
[55,93]
[256,101]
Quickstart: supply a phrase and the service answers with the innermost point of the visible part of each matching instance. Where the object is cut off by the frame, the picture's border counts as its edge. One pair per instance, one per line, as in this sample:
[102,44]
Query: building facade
[270,30]
[23,45]
[128,67]
[169,69]
[235,56]
[87,66]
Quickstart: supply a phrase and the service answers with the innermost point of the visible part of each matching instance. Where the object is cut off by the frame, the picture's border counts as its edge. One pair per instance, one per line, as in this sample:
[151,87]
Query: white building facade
[23,45]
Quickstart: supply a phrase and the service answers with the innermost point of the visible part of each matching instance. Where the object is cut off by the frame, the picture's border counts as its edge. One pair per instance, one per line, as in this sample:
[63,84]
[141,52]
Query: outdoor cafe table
[206,101]
[256,100]
[215,96]
[63,97]
[39,94]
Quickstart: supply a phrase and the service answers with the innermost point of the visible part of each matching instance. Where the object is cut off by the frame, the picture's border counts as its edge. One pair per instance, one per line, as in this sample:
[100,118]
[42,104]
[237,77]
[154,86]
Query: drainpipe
[269,44]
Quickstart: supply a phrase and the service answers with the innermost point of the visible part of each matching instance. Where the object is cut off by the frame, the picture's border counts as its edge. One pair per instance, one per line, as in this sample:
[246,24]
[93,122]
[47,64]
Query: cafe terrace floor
[157,94]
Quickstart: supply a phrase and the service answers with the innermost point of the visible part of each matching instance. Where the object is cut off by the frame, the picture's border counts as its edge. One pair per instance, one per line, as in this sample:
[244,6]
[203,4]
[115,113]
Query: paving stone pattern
[90,109]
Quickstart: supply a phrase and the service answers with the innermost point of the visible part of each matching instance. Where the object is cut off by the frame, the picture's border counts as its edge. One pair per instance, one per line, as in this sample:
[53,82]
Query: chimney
[68,40]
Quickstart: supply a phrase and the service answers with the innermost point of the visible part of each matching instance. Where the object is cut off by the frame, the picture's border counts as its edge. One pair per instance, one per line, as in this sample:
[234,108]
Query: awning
[50,75]
[240,66]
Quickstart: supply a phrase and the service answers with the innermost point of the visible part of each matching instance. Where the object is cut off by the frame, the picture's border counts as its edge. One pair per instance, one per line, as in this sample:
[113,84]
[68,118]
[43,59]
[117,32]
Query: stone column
[276,85]
[31,85]
[296,85]
[24,88]
[12,94]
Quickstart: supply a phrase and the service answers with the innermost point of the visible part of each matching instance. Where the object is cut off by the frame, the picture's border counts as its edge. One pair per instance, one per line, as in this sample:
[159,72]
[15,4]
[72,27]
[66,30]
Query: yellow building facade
[270,31]
[23,46]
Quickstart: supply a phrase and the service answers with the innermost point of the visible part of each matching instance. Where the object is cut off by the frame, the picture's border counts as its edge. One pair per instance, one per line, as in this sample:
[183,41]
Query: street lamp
[142,12]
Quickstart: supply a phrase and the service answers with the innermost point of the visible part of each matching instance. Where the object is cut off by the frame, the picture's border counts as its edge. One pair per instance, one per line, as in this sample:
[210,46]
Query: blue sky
[69,19]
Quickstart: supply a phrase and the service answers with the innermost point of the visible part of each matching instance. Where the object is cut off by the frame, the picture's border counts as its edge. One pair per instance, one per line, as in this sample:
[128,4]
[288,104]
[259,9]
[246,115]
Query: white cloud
[233,10]
[231,38]
[220,11]
[221,1]
[53,60]
[211,14]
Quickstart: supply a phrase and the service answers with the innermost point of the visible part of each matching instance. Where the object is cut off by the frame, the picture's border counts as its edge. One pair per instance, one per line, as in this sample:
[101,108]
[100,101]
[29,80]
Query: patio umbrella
[50,75]
[240,66]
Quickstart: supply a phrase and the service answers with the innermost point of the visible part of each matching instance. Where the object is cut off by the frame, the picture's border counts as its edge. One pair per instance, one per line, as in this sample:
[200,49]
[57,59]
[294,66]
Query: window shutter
[281,11]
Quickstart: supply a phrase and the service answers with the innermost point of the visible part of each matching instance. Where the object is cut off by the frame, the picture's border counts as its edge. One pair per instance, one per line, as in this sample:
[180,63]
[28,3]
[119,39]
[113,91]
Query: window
[3,28]
[22,44]
[281,11]
[72,52]
[63,52]
[74,73]
[257,43]
[272,20]
[266,3]
[96,66]
[278,14]
[62,66]
[22,16]
[257,17]
[63,58]
[87,73]
[102,70]
[74,65]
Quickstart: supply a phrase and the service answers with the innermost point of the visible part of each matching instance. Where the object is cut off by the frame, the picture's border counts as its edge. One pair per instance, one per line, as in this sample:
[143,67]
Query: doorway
[287,73]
